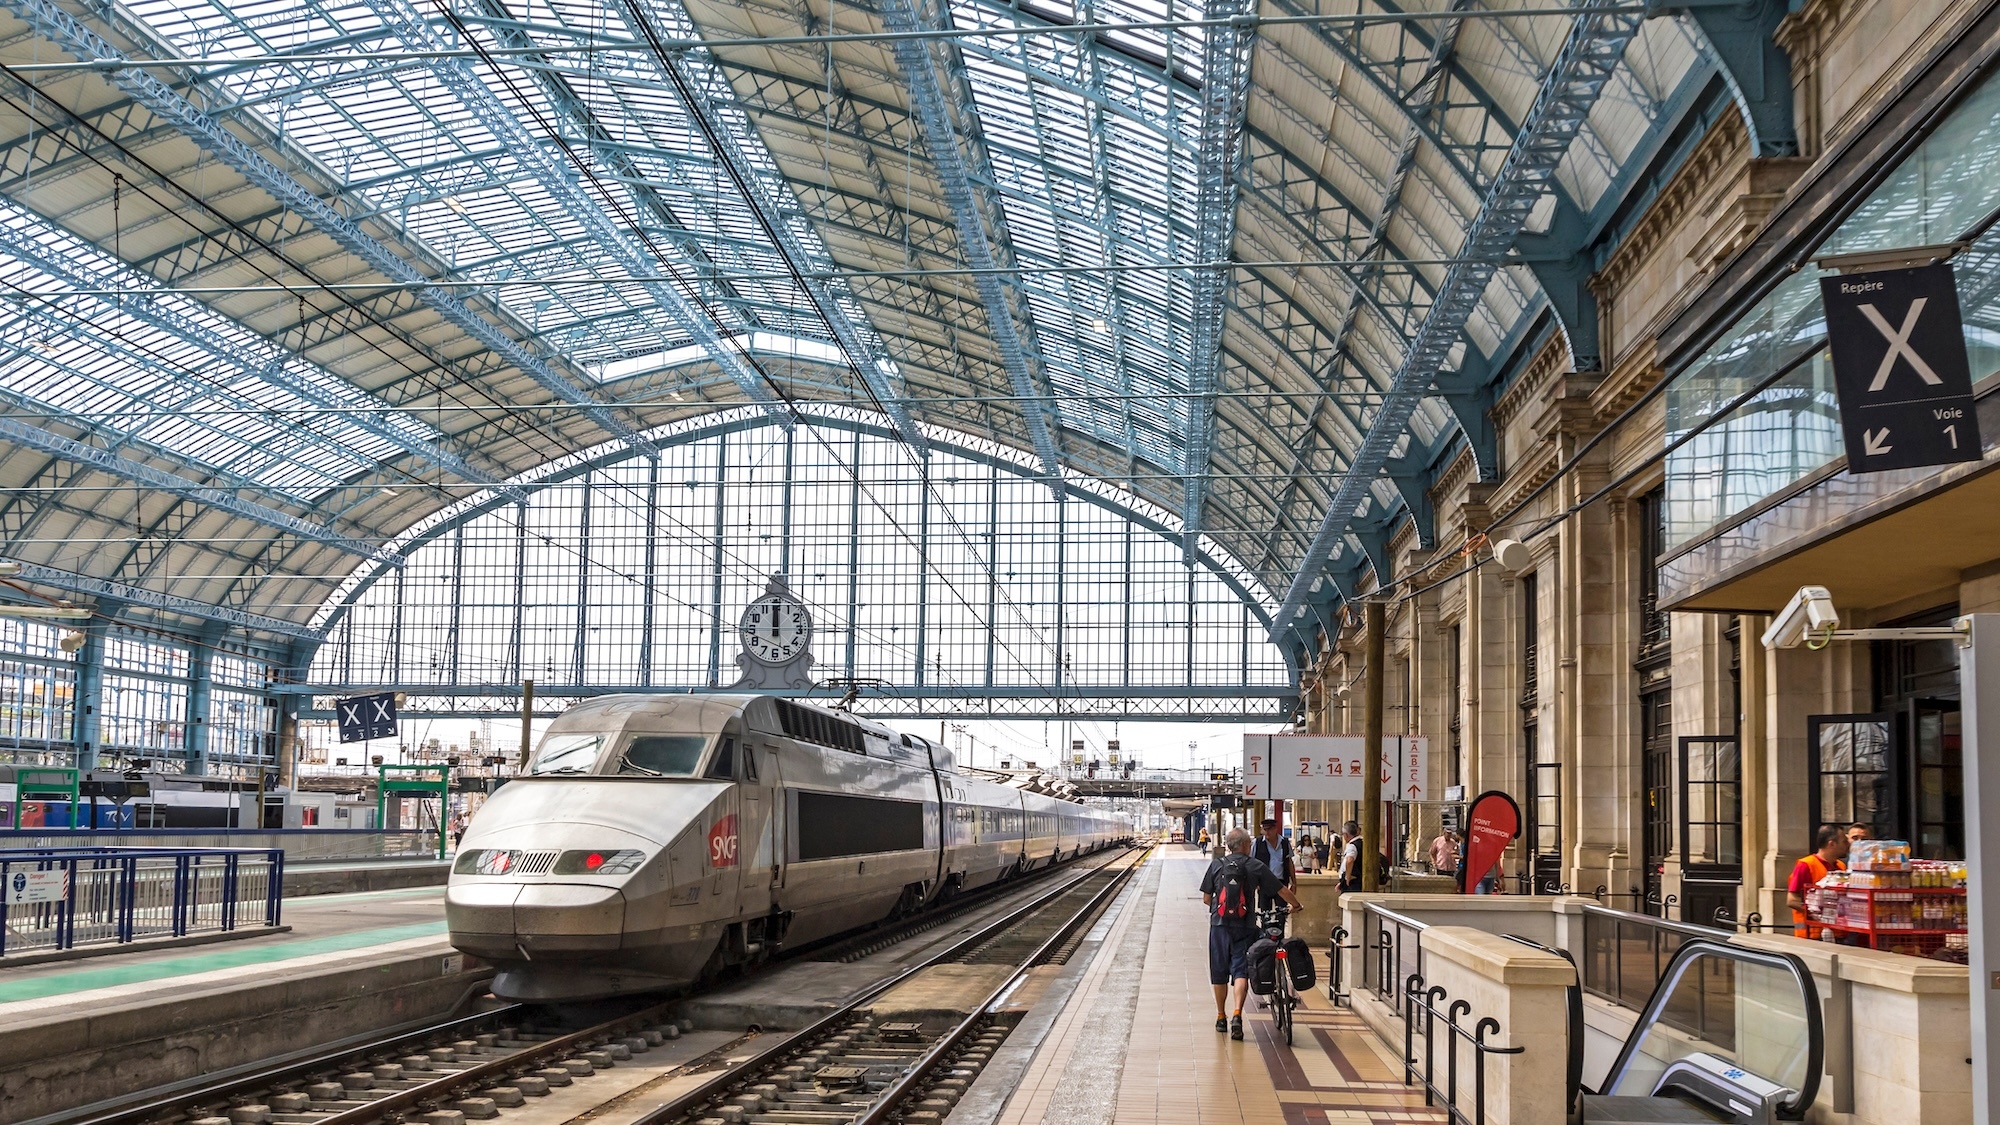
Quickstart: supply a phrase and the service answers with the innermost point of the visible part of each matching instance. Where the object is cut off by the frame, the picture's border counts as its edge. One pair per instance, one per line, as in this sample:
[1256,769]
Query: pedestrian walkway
[1176,1069]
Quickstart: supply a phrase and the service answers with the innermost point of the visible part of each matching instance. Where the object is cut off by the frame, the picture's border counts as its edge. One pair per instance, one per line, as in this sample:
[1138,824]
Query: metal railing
[53,899]
[1625,953]
[1420,1006]
[1392,952]
[1573,1005]
[1336,982]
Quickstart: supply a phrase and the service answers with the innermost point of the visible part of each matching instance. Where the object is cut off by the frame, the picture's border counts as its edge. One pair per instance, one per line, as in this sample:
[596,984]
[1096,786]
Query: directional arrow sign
[1899,367]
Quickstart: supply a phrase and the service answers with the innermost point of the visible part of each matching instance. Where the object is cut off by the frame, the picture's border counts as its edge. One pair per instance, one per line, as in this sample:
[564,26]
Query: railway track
[838,1070]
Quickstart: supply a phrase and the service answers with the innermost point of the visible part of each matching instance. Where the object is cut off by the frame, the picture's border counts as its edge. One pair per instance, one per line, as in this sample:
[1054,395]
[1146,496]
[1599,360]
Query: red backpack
[1232,889]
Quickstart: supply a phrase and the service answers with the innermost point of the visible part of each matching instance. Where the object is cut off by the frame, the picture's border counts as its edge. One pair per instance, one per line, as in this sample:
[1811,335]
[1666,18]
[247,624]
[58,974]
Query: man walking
[1275,852]
[1229,888]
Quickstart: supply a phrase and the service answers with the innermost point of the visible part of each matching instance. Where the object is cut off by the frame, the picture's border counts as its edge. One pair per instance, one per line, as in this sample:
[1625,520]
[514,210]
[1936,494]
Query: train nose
[507,921]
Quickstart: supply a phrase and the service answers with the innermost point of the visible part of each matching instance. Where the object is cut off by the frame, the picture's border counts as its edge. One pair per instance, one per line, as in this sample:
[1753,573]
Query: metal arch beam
[1742,37]
[1410,475]
[1555,256]
[69,33]
[1595,46]
[1073,490]
[222,500]
[936,87]
[456,75]
[274,369]
[105,588]
[694,75]
[1224,96]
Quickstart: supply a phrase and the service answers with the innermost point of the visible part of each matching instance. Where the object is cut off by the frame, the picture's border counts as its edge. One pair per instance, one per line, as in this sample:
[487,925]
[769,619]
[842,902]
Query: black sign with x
[363,717]
[1899,367]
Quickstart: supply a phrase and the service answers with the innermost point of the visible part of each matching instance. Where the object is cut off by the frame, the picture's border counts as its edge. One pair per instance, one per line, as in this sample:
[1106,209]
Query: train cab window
[567,753]
[724,765]
[664,755]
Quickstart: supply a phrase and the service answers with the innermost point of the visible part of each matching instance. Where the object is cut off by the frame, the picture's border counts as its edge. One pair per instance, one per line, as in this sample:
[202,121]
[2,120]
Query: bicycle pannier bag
[1263,958]
[1299,959]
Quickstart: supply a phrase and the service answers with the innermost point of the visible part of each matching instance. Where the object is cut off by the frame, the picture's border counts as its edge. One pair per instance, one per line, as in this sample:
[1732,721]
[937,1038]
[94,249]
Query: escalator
[1730,1035]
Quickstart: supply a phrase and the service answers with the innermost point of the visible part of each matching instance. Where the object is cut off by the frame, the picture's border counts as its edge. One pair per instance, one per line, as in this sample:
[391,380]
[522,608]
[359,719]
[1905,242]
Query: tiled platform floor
[1179,1071]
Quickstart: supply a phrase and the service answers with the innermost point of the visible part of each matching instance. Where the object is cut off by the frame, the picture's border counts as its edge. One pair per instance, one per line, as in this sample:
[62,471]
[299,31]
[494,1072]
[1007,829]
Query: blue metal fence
[60,898]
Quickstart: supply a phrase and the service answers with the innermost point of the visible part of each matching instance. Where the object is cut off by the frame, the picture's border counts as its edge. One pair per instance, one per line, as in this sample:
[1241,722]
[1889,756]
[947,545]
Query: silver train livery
[655,840]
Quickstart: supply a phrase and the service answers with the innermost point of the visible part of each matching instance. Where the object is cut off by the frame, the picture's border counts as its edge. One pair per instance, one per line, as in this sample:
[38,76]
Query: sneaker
[1221,1024]
[1236,1027]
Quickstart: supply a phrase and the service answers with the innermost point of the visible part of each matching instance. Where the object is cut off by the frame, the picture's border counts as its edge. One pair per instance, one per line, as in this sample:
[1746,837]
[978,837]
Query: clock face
[775,630]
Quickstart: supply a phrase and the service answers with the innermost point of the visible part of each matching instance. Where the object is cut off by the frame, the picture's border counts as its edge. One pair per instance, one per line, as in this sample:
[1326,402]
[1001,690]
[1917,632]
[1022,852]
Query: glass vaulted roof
[354,262]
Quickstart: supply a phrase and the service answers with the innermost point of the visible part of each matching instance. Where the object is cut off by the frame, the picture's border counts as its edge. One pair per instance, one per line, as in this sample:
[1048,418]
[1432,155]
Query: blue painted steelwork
[53,22]
[558,179]
[276,365]
[222,500]
[114,896]
[111,594]
[1592,51]
[1225,73]
[706,93]
[937,95]
[1742,37]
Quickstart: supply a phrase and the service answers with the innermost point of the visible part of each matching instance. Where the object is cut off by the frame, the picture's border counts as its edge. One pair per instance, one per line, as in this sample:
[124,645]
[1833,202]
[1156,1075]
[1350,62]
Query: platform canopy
[284,280]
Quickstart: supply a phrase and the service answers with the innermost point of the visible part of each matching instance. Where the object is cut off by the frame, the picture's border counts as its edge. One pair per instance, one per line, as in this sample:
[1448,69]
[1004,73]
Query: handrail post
[229,891]
[128,898]
[1412,988]
[1431,997]
[274,892]
[181,872]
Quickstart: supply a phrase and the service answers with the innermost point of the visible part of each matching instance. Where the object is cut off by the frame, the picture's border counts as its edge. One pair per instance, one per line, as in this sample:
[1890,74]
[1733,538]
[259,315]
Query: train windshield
[567,753]
[663,755]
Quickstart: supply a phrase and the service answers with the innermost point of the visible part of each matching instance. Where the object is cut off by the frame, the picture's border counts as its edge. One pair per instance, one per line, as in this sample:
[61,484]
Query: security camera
[1809,612]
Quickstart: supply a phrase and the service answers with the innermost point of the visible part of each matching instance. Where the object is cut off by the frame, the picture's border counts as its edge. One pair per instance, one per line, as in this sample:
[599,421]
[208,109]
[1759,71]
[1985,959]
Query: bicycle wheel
[1281,1009]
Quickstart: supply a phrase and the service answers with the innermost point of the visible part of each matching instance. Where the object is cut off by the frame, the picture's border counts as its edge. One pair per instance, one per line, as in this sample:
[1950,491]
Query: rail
[1625,953]
[1395,941]
[1418,999]
[1336,990]
[54,899]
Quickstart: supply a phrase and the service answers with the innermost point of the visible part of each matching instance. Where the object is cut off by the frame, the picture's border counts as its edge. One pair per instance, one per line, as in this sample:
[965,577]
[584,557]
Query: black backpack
[1233,890]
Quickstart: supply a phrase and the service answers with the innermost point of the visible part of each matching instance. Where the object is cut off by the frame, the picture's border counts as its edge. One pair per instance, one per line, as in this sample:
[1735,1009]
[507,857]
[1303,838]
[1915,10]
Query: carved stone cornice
[1552,359]
[1718,155]
[1635,373]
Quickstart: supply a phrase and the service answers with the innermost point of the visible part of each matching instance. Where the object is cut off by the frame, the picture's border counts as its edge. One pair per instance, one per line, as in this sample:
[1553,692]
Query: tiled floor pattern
[1179,1071]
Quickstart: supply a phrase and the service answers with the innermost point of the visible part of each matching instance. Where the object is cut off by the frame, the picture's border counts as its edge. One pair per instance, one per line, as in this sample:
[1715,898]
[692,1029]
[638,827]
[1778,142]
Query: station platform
[351,963]
[1130,1039]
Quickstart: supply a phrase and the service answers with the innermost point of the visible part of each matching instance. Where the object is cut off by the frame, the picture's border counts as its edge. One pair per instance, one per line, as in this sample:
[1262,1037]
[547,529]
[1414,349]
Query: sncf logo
[722,842]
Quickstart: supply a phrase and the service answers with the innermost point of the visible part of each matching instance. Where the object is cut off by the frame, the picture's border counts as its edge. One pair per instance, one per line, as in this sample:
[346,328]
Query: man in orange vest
[1806,874]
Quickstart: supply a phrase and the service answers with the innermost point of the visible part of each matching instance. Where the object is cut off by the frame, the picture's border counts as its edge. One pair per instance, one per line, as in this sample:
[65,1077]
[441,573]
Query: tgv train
[657,839]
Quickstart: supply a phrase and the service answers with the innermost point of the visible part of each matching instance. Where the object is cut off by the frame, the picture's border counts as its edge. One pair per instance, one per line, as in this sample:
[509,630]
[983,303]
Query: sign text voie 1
[1328,767]
[1899,367]
[363,717]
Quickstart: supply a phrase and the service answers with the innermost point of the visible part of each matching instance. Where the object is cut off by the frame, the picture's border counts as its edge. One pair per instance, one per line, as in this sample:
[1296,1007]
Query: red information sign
[1491,824]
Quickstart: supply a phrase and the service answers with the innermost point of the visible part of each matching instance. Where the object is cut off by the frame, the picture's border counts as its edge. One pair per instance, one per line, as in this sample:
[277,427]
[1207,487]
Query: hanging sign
[363,717]
[1328,767]
[1492,822]
[1899,367]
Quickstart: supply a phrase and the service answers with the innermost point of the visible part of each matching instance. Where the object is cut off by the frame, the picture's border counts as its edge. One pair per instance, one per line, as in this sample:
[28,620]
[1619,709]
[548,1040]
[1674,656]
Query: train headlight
[484,861]
[603,861]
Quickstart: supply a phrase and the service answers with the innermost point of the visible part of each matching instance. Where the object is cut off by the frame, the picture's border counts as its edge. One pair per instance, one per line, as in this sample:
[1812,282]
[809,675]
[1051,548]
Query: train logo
[722,842]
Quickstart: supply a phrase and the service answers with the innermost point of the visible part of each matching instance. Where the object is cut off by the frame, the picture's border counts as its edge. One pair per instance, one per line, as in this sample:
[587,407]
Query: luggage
[1263,959]
[1232,889]
[1299,959]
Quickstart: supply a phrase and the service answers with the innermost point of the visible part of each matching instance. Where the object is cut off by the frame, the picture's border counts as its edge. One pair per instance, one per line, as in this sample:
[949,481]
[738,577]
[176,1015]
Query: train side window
[749,762]
[724,765]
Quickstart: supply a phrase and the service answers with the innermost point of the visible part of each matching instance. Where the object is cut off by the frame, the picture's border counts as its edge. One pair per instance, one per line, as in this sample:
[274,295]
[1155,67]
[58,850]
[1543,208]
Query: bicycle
[1284,997]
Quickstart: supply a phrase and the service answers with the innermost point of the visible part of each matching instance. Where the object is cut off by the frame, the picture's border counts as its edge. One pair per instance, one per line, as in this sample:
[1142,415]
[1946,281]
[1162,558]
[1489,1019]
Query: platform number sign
[363,717]
[1899,367]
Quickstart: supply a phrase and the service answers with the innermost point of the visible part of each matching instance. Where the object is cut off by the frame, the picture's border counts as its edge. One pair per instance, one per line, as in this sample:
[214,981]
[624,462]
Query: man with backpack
[1231,889]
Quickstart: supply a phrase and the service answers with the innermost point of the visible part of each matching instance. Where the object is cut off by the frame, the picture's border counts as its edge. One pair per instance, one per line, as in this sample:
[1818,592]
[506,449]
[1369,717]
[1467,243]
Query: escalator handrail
[1794,1110]
[1573,998]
